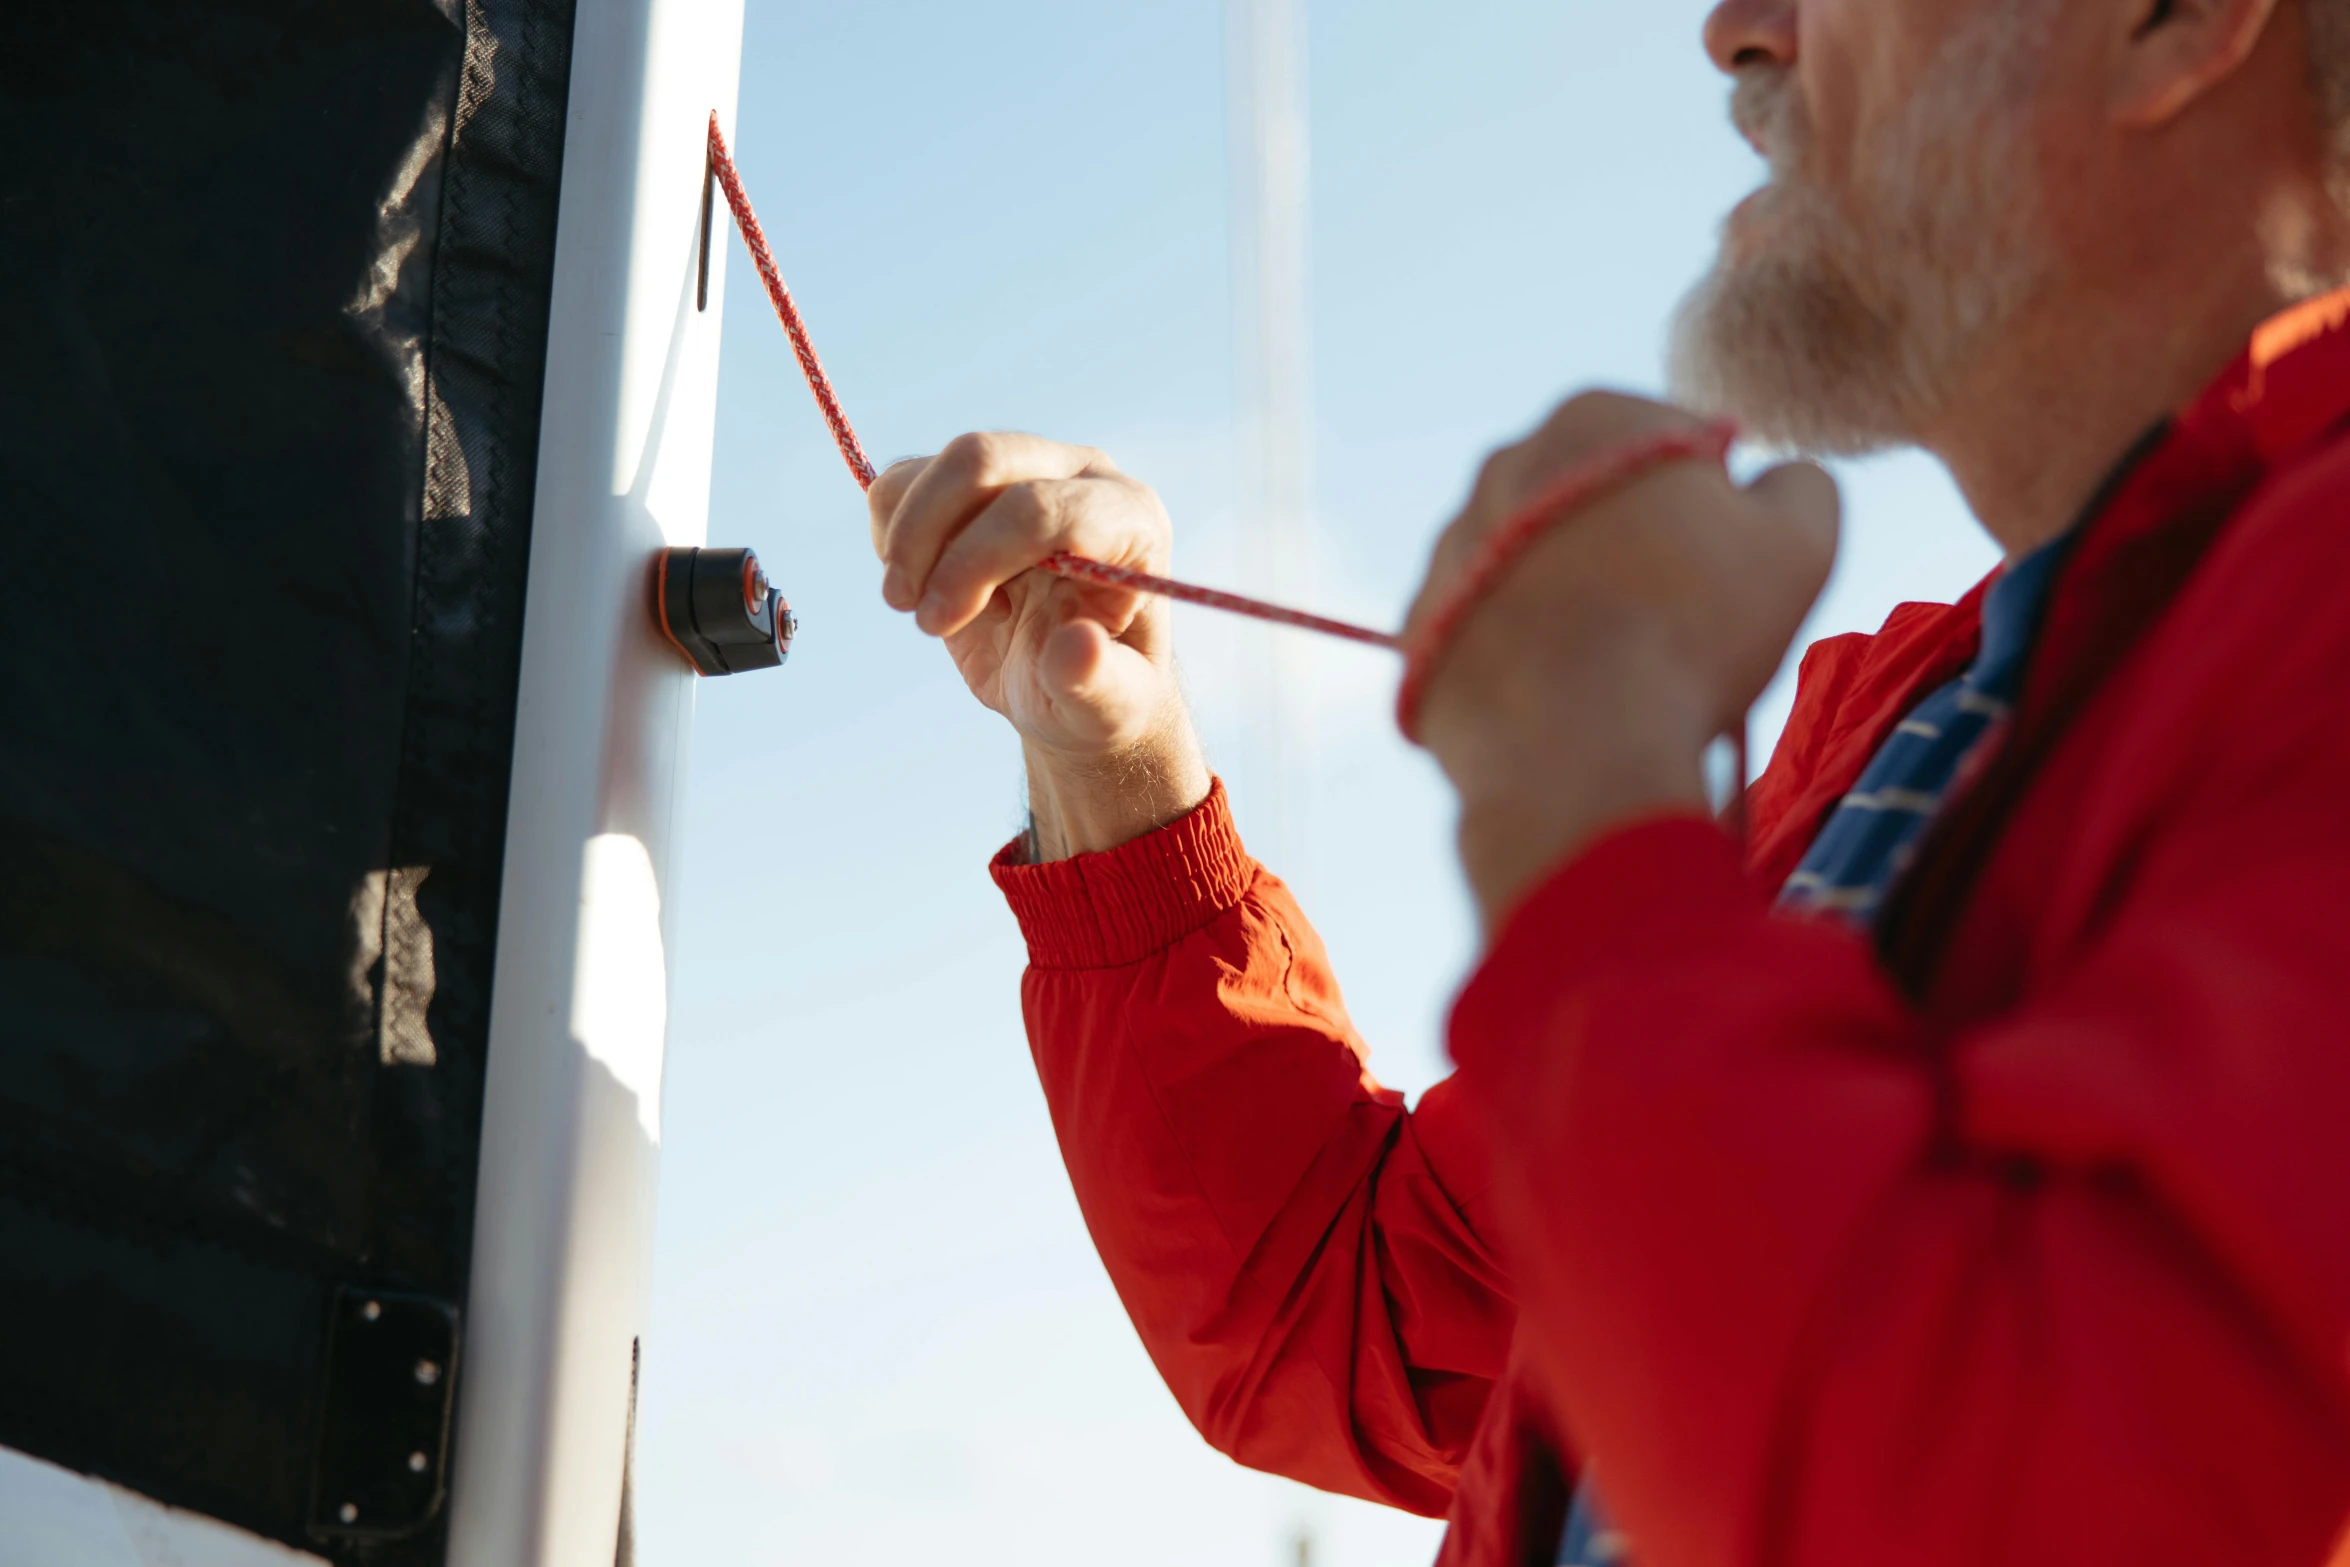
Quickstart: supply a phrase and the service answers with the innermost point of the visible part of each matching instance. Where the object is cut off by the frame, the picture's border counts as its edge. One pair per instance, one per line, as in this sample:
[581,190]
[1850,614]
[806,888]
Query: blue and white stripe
[1868,841]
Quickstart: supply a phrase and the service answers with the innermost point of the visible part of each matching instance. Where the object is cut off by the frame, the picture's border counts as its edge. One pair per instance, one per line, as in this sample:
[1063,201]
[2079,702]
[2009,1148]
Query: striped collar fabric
[1871,836]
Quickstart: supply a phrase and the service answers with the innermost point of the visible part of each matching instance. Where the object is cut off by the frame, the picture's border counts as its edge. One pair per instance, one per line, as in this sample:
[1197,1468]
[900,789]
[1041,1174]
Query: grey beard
[1851,336]
[1796,353]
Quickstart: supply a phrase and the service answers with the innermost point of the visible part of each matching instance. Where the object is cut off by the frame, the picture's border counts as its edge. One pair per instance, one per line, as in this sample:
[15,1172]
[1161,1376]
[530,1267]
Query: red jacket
[2023,1238]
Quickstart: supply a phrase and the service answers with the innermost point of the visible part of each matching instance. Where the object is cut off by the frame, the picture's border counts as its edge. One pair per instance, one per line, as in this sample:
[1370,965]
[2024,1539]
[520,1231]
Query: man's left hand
[1582,693]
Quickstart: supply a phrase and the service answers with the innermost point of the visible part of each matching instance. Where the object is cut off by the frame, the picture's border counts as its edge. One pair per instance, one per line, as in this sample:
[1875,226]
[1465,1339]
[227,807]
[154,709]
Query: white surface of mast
[571,1117]
[1270,272]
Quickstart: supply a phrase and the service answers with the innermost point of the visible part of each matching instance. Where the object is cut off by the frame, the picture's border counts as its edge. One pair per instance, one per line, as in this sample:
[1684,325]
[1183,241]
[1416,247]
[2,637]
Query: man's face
[1902,227]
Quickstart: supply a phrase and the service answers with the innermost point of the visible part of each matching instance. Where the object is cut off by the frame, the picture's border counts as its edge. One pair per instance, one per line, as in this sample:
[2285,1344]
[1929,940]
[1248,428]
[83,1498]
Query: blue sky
[880,1336]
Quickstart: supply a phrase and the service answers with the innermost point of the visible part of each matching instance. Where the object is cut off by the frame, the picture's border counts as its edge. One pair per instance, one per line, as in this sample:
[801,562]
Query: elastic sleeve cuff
[1118,907]
[1647,893]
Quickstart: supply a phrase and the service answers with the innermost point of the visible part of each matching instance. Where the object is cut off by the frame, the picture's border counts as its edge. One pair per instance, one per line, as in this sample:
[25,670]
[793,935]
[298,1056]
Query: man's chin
[1792,351]
[1754,227]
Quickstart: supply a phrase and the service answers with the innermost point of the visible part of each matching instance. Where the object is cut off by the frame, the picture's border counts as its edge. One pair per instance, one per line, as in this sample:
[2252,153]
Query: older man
[1964,1175]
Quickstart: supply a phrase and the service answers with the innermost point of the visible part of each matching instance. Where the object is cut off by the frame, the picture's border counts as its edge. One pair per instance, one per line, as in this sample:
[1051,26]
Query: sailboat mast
[1270,168]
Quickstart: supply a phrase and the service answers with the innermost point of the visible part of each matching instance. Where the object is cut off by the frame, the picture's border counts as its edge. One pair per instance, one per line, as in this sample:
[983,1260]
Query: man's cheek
[1857,61]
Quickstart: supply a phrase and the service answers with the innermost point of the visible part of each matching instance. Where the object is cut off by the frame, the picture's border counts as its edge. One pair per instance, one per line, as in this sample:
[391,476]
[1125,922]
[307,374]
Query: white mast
[1269,207]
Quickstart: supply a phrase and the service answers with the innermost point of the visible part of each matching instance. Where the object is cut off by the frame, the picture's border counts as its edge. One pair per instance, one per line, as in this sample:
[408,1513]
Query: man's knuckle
[974,455]
[1579,412]
[950,578]
[1136,499]
[1027,507]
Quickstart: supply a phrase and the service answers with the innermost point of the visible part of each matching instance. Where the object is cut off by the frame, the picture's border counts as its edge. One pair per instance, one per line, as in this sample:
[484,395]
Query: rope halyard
[1499,550]
[786,310]
[1422,651]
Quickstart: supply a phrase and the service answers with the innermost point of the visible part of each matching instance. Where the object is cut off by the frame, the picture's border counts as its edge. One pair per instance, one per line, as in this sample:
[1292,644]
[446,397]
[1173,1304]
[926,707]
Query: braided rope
[1423,651]
[852,451]
[1067,565]
[1501,549]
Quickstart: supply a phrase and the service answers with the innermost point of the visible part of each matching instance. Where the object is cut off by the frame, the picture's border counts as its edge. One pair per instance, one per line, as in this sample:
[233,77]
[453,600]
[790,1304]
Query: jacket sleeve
[1300,1253]
[1812,1282]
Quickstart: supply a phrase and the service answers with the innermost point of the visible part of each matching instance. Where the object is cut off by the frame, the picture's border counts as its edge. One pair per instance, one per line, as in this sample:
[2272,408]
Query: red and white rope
[852,451]
[1080,567]
[1499,550]
[1422,651]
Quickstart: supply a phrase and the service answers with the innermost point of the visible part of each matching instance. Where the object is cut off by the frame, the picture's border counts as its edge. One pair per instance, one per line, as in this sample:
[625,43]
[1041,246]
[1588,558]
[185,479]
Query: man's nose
[1744,33]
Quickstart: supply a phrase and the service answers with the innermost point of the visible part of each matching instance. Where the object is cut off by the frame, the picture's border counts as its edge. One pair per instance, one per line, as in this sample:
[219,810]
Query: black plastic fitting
[718,609]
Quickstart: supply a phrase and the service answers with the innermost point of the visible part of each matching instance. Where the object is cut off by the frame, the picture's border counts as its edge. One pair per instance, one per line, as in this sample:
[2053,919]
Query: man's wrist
[1547,754]
[1092,804]
[1510,842]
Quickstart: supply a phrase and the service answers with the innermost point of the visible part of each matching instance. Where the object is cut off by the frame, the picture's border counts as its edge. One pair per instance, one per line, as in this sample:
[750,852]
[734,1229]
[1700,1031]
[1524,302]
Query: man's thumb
[1804,495]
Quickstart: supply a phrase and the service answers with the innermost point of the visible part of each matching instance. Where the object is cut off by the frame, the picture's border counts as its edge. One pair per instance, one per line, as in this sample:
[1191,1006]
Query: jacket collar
[2287,389]
[2138,543]
[2293,384]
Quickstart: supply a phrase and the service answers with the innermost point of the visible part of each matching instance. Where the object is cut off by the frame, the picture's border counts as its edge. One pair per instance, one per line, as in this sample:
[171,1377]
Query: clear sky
[880,1336]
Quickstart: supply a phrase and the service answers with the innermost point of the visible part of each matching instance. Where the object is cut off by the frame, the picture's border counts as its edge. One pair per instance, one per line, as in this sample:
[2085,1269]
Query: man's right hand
[1084,672]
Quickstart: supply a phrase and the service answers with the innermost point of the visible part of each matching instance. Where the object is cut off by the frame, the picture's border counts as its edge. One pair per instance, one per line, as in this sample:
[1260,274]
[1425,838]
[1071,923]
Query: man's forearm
[1086,806]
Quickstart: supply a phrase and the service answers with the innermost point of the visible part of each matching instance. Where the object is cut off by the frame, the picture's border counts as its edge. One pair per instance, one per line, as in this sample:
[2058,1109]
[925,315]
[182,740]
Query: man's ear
[2178,50]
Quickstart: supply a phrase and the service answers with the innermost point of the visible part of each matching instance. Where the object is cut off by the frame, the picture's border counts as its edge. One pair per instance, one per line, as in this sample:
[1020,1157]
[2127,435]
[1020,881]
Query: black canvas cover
[273,309]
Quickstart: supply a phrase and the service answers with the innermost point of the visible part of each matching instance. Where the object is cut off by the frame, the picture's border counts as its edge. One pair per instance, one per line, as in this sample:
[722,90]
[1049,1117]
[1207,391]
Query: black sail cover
[274,283]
